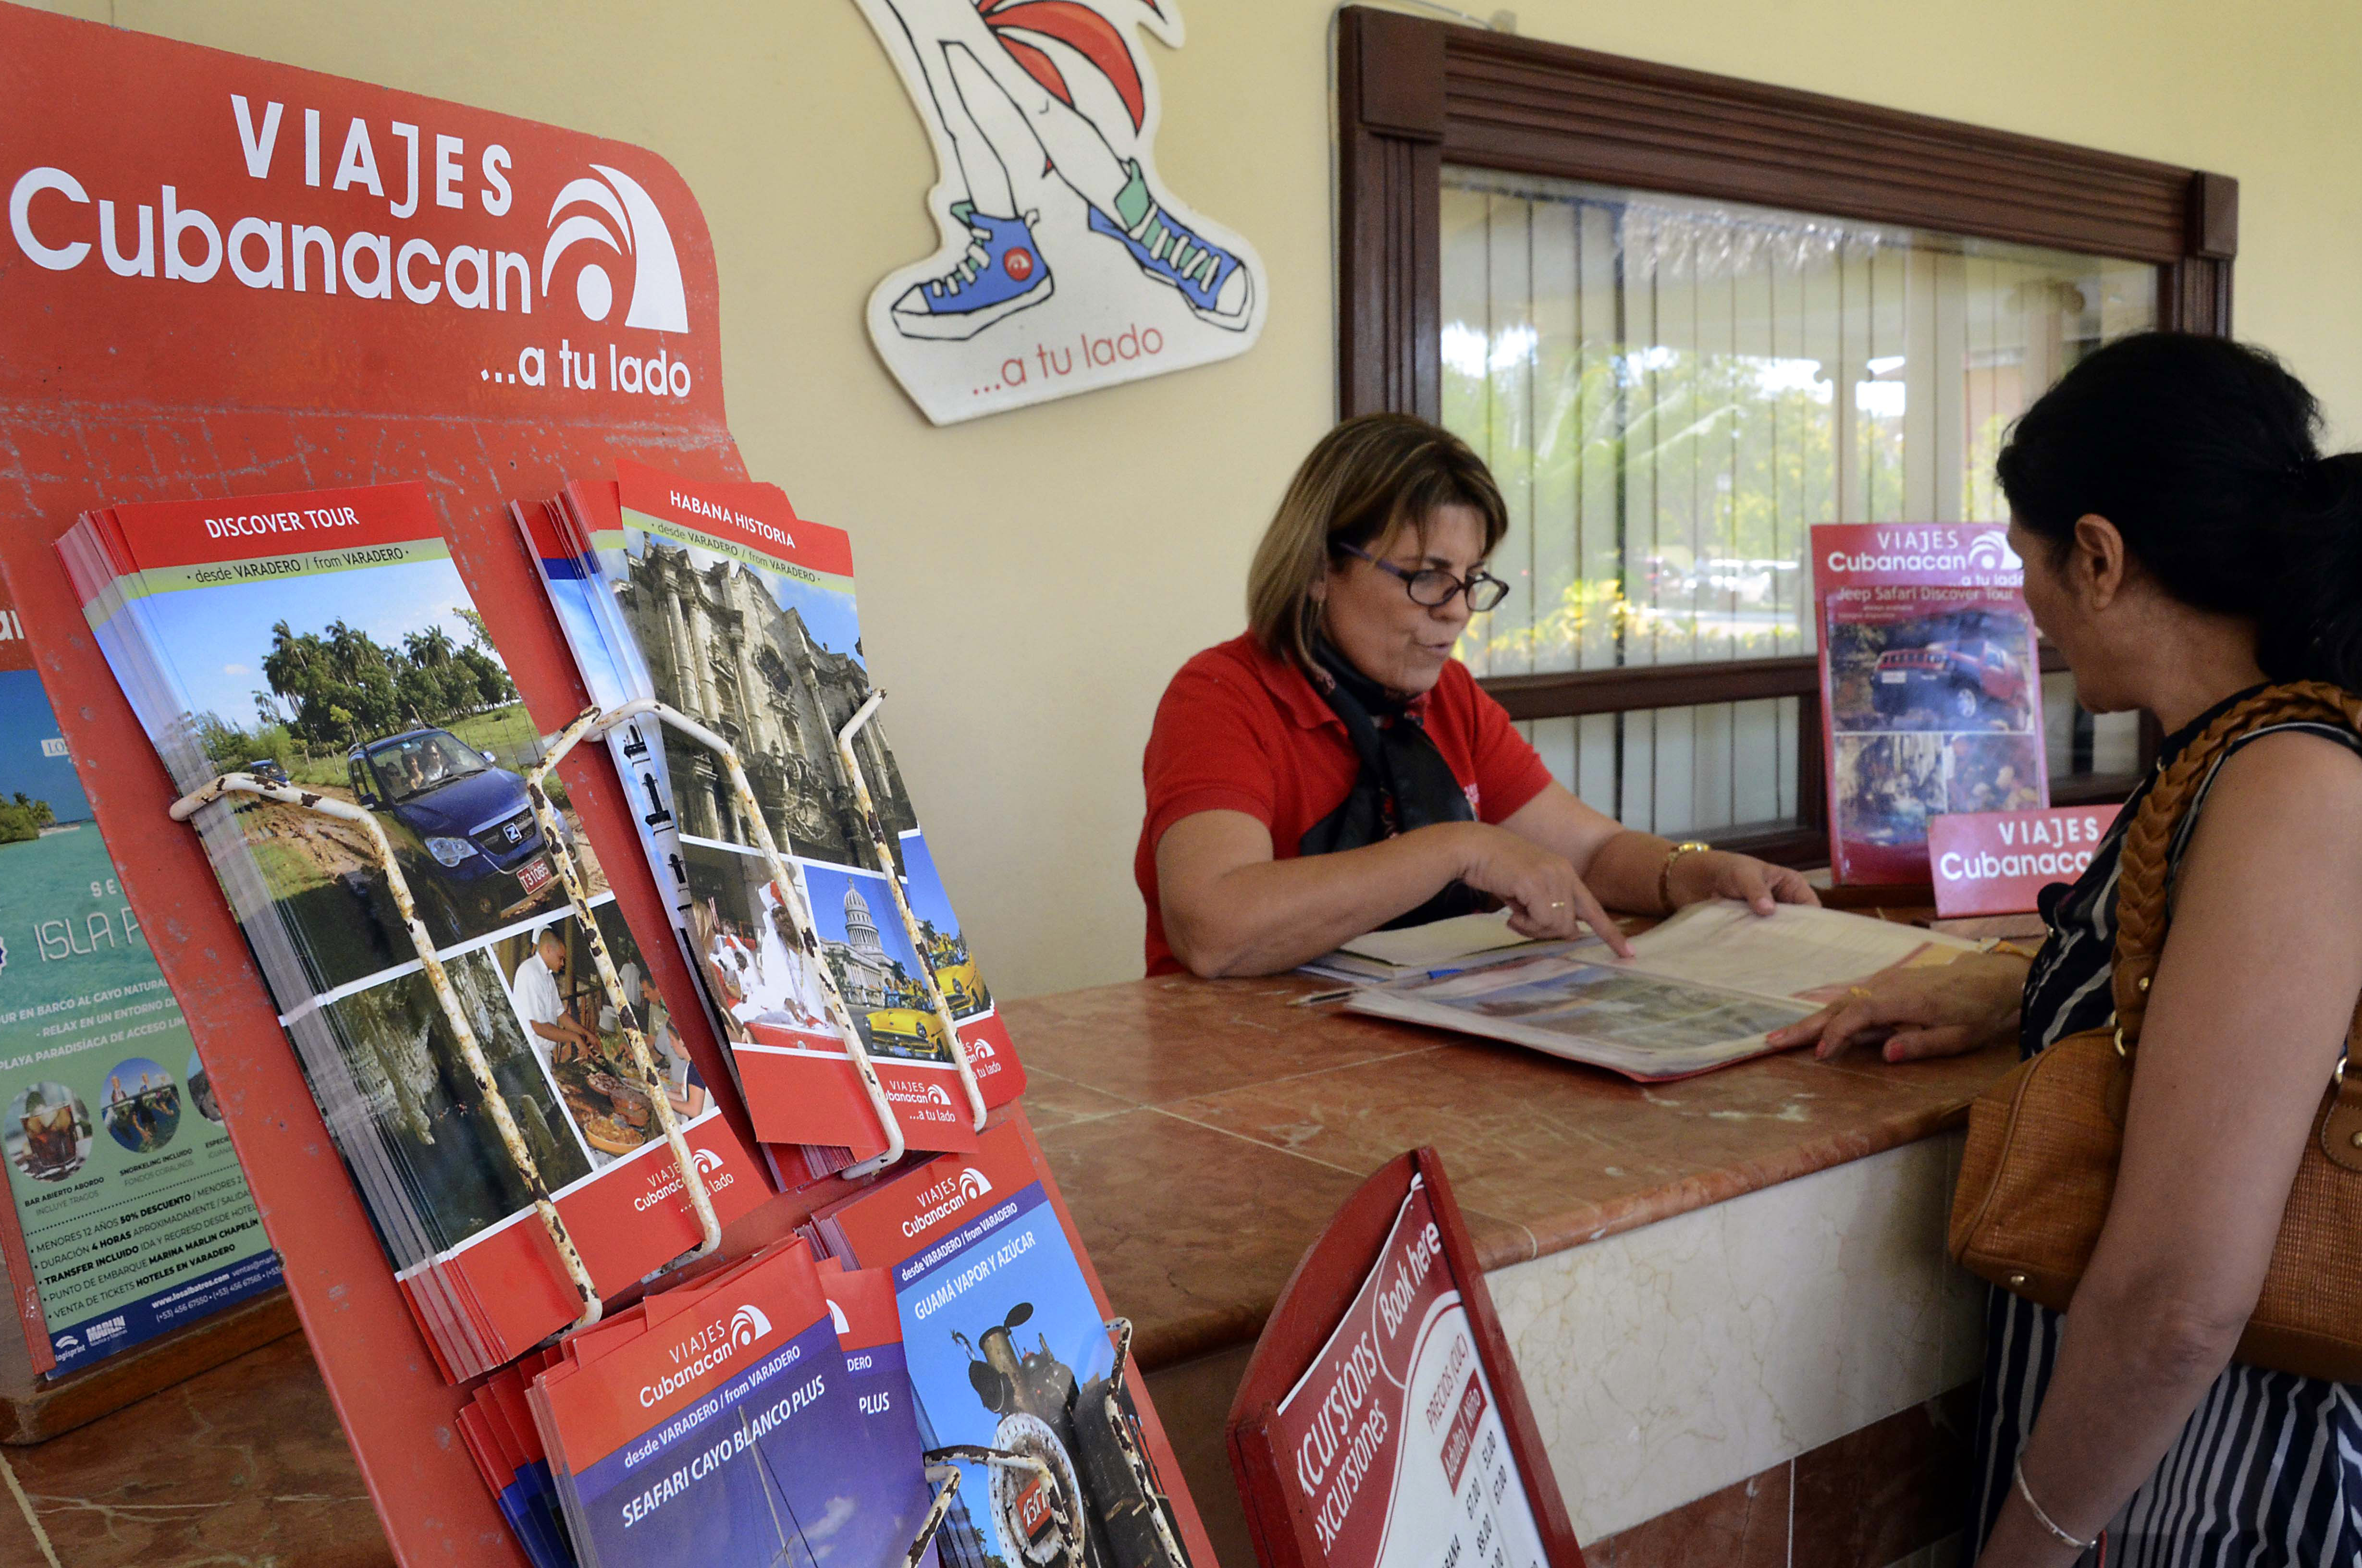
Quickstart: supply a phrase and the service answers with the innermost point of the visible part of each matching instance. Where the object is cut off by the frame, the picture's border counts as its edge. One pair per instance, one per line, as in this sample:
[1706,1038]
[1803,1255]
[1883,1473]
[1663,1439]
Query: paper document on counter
[1701,992]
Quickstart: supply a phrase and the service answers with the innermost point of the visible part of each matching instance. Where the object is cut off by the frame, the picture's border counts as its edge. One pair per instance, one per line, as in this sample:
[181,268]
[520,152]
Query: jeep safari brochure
[1008,1349]
[721,602]
[129,1216]
[714,1424]
[1700,991]
[327,639]
[1931,687]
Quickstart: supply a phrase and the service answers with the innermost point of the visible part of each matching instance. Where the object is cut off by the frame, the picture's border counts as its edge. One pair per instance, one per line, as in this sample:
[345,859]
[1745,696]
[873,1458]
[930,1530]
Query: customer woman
[2184,544]
[1335,771]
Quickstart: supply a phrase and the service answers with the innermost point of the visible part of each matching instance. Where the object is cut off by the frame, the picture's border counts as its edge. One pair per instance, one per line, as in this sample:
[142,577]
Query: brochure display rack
[1381,1422]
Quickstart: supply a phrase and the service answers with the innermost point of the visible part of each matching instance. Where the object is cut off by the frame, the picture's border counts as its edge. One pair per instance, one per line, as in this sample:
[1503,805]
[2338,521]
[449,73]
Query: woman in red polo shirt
[1335,771]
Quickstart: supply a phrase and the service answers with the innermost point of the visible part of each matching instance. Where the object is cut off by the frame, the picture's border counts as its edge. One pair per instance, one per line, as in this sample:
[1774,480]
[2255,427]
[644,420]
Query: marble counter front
[1693,1359]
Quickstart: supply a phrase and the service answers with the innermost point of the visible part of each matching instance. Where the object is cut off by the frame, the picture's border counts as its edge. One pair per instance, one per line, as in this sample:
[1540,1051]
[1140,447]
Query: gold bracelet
[1665,872]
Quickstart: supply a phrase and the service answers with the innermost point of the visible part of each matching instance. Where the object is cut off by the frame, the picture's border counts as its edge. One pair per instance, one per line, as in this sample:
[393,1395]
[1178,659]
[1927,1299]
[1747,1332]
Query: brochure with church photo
[718,600]
[326,641]
[1931,687]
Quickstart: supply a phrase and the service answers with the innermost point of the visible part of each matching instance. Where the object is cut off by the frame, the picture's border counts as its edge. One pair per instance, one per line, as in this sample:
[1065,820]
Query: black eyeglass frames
[1433,587]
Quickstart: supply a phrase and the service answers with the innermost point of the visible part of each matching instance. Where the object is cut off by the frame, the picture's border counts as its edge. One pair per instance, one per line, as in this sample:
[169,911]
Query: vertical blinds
[1670,392]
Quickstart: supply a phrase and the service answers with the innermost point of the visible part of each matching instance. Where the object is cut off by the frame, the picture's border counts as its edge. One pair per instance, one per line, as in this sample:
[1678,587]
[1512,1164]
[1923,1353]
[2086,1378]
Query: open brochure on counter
[1701,990]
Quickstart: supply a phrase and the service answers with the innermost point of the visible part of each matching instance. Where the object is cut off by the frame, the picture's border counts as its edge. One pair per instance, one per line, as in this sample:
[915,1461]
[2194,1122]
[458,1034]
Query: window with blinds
[1670,392]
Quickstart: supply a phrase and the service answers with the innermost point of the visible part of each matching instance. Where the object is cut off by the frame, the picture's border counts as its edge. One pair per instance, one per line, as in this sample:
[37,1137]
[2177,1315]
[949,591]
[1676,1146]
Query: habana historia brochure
[1701,990]
[1394,1431]
[716,1423]
[1931,687]
[1008,1349]
[721,602]
[129,1215]
[327,638]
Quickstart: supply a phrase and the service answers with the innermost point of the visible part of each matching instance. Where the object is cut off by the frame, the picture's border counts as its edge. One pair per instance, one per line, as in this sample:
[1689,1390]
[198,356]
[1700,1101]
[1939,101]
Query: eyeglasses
[1434,588]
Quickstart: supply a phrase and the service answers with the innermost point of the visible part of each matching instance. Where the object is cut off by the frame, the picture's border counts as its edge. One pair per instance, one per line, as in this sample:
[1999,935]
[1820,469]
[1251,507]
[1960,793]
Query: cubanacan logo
[947,1196]
[747,1325]
[637,230]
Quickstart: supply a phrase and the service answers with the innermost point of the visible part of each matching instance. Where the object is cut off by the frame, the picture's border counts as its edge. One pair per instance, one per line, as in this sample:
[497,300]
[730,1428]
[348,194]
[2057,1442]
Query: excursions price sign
[1395,1432]
[1404,1441]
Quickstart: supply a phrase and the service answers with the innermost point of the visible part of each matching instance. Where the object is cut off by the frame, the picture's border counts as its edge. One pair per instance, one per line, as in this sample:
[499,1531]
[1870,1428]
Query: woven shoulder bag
[2040,1166]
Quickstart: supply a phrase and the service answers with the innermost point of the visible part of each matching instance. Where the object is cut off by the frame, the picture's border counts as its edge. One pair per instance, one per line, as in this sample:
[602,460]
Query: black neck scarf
[1403,783]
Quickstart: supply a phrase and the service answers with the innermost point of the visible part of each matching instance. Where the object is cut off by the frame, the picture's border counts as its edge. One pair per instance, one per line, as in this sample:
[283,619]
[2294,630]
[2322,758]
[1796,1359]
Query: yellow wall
[1030,581]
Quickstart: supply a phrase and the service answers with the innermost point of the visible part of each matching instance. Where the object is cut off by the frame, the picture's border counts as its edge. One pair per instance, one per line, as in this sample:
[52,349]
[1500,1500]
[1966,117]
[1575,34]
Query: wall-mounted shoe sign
[1066,264]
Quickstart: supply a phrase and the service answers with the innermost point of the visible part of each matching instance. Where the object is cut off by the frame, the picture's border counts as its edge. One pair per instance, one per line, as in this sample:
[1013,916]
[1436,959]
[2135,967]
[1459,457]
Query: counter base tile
[1671,1362]
[1893,1494]
[1745,1525]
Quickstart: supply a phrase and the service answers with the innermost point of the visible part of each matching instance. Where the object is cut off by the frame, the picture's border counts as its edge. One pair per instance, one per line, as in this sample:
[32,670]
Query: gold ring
[1862,993]
[1559,905]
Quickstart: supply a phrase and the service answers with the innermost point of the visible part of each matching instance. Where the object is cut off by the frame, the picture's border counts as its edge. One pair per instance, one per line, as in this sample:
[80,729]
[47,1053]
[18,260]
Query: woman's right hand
[1944,1009]
[1547,899]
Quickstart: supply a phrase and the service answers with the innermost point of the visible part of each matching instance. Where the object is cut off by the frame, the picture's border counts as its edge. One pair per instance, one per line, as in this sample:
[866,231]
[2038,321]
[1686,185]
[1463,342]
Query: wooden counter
[1203,1133]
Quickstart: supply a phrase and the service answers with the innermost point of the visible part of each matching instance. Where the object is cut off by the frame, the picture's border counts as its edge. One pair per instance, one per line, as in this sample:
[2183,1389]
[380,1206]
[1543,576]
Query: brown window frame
[1414,94]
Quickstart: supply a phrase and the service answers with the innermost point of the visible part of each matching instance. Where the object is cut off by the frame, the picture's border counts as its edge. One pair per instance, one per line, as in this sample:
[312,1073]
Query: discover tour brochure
[1701,990]
[131,1217]
[327,639]
[1395,1432]
[1007,1349]
[717,599]
[1931,687]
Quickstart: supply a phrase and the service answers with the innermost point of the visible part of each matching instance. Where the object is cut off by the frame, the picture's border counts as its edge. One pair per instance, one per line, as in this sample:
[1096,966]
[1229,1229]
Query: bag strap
[2141,916]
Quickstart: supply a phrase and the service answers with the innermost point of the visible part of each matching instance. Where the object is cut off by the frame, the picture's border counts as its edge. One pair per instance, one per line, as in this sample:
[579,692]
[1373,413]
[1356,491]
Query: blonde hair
[1364,480]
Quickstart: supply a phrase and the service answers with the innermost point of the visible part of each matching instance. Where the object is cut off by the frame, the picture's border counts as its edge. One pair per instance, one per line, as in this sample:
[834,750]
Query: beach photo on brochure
[1701,990]
[130,1213]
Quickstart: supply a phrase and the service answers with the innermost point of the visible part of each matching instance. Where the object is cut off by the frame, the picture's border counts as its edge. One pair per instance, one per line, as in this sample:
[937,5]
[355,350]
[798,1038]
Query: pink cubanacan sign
[1988,863]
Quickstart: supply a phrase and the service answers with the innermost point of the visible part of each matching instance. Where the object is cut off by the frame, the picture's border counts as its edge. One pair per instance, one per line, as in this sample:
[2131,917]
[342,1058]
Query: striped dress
[2268,1469]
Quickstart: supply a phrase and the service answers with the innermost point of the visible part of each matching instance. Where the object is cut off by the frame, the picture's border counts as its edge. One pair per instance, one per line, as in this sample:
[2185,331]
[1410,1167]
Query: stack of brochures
[1701,990]
[1008,1350]
[719,1422]
[325,642]
[1425,952]
[718,602]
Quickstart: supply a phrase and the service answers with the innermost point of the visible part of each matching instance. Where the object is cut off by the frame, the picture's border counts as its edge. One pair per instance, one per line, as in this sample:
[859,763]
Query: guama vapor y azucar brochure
[1008,1350]
[325,640]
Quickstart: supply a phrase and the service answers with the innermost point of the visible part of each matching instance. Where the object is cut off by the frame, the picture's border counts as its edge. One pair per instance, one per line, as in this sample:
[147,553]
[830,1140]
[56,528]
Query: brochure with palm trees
[326,642]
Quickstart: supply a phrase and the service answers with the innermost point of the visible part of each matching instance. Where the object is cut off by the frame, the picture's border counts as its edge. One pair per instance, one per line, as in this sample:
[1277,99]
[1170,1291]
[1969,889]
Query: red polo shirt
[1242,730]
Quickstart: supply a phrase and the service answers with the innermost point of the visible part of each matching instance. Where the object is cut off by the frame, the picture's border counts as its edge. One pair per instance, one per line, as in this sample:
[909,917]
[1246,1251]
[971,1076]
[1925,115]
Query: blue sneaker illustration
[1209,278]
[1002,273]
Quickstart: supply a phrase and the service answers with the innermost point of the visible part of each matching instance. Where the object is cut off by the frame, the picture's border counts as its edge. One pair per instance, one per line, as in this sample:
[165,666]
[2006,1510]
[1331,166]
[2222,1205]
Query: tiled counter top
[1203,1133]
